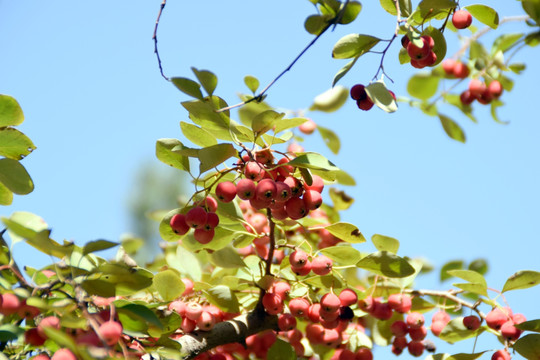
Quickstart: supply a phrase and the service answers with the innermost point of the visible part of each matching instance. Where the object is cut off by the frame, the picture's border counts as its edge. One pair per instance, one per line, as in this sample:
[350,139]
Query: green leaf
[188,87]
[185,262]
[405,7]
[197,135]
[533,39]
[281,350]
[135,312]
[423,85]
[98,245]
[421,305]
[452,129]
[455,331]
[517,68]
[168,284]
[6,195]
[165,153]
[265,121]
[315,24]
[344,178]
[343,71]
[344,255]
[313,161]
[522,280]
[223,297]
[531,325]
[15,177]
[386,264]
[451,265]
[505,41]
[207,79]
[330,100]
[14,144]
[532,8]
[353,45]
[528,346]
[484,14]
[252,83]
[340,199]
[285,124]
[385,243]
[10,332]
[465,356]
[61,338]
[214,155]
[351,12]
[479,265]
[227,258]
[477,284]
[10,111]
[346,232]
[330,139]
[435,8]
[381,97]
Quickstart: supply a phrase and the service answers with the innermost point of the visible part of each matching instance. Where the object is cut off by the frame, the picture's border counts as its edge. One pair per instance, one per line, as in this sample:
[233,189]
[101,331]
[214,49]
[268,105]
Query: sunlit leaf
[455,331]
[197,135]
[346,232]
[165,153]
[212,156]
[281,350]
[207,79]
[222,297]
[330,100]
[353,45]
[484,14]
[385,243]
[188,87]
[330,138]
[10,111]
[15,177]
[522,280]
[528,346]
[381,97]
[168,284]
[452,129]
[14,144]
[343,255]
[423,85]
[313,161]
[386,264]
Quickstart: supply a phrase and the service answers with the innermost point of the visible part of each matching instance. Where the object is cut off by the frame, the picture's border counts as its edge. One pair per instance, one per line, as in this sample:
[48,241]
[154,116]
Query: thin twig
[154,37]
[260,96]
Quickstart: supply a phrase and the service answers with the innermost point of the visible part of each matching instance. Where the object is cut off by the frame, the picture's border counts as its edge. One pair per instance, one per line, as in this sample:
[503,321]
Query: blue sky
[88,82]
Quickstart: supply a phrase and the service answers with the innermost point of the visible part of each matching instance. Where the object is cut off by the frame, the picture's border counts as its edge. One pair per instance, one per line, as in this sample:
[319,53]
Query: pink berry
[321,265]
[299,307]
[415,320]
[245,189]
[308,127]
[348,297]
[110,331]
[330,302]
[401,303]
[226,191]
[203,236]
[462,19]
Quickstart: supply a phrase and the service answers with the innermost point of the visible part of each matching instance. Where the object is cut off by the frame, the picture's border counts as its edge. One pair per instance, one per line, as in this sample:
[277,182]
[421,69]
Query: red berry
[273,304]
[264,156]
[364,354]
[509,331]
[401,303]
[405,41]
[286,322]
[501,355]
[10,304]
[399,328]
[206,321]
[193,311]
[437,327]
[49,321]
[330,302]
[283,192]
[400,342]
[226,191]
[245,189]
[471,322]
[196,217]
[418,334]
[415,320]
[495,89]
[209,204]
[477,87]
[296,186]
[448,66]
[178,224]
[461,71]
[63,354]
[178,306]
[212,221]
[381,311]
[348,297]
[416,348]
[367,304]
[317,184]
[308,127]
[466,97]
[419,53]
[110,331]
[253,171]
[282,289]
[32,337]
[299,307]
[321,265]
[203,236]
[188,325]
[364,104]
[498,316]
[462,19]
[314,312]
[296,208]
[284,170]
[358,92]
[266,189]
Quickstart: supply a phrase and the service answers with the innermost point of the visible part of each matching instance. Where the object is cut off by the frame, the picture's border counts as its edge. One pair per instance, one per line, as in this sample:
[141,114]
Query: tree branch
[231,331]
[154,37]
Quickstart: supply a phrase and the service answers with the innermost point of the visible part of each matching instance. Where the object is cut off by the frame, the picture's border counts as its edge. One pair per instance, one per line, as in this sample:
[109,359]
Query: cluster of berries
[363,101]
[201,217]
[301,265]
[420,56]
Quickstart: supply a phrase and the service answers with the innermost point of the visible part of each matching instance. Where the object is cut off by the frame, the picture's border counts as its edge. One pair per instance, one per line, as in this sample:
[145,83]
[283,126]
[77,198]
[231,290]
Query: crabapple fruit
[415,320]
[63,354]
[471,322]
[226,191]
[401,303]
[321,265]
[111,331]
[330,302]
[462,19]
[245,189]
[308,127]
[348,297]
[179,225]
[299,307]
[196,217]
